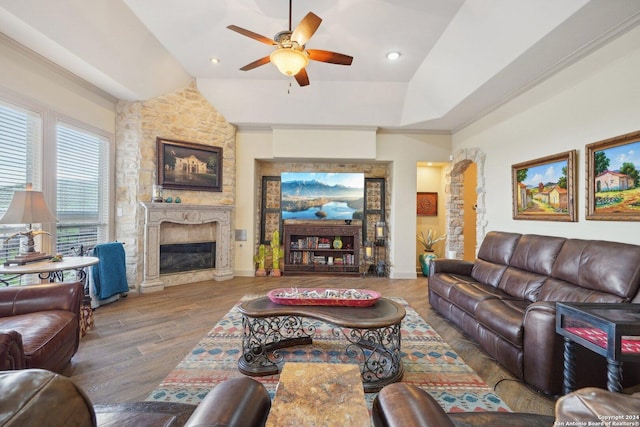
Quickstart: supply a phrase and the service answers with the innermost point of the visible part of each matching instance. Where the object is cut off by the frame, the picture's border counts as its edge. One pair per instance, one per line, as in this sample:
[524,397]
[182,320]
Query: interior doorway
[469,184]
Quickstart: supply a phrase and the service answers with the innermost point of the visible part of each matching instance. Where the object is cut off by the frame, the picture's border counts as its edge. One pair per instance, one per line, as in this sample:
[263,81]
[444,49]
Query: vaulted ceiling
[459,58]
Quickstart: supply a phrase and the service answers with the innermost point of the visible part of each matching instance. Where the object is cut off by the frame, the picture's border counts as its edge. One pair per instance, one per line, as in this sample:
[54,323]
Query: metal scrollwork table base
[373,335]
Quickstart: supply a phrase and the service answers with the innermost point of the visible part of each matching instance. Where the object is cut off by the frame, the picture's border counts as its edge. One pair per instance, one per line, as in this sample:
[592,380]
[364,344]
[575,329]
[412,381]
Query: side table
[611,330]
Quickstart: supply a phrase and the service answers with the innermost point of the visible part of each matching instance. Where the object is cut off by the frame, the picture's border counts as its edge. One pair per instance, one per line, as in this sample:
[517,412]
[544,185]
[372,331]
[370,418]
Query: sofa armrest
[242,402]
[403,405]
[16,300]
[599,406]
[11,351]
[543,348]
[451,266]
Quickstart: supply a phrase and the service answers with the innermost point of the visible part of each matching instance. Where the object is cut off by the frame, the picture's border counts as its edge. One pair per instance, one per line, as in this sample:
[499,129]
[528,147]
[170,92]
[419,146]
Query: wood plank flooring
[138,340]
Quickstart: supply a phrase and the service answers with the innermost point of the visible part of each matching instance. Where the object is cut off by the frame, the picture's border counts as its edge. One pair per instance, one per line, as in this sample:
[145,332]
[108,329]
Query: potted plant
[428,254]
[259,259]
[276,253]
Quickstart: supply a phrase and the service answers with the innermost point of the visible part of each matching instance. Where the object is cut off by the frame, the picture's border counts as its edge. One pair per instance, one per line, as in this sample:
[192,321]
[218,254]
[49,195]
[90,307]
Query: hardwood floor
[138,340]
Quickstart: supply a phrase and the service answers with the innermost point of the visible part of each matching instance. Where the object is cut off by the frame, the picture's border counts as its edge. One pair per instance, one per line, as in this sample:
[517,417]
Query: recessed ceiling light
[392,56]
[214,60]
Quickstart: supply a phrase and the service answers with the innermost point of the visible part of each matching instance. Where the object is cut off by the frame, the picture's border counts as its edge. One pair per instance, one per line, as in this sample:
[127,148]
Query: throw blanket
[109,275]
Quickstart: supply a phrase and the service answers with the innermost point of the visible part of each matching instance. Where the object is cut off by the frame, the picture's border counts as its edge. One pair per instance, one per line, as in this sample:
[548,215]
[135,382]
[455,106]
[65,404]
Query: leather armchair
[39,325]
[404,405]
[35,397]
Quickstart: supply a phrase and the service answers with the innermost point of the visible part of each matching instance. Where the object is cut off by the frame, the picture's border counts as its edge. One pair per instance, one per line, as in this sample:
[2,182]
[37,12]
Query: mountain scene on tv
[322,195]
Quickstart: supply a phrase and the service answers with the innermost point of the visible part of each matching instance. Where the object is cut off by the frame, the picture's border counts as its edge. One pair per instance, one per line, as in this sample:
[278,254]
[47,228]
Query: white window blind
[82,188]
[20,148]
[20,145]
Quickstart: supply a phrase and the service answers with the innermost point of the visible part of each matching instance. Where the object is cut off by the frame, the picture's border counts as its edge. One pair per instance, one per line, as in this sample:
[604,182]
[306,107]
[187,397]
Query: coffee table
[373,335]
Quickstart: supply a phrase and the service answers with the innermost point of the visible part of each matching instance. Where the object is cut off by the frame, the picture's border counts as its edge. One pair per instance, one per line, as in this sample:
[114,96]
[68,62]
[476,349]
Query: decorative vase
[425,258]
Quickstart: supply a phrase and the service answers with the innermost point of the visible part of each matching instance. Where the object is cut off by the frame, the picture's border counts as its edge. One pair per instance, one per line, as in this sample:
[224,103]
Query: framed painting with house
[544,189]
[613,178]
[427,204]
[188,166]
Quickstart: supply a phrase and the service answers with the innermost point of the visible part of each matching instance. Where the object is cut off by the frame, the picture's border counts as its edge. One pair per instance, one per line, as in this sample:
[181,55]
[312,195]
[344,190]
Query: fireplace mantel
[157,213]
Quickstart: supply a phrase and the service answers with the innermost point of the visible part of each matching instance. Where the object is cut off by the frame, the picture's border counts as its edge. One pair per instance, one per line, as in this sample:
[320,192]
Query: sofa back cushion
[494,256]
[530,264]
[601,266]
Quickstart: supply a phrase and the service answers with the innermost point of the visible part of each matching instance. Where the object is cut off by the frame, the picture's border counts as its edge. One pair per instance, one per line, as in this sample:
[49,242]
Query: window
[81,192]
[20,148]
[77,175]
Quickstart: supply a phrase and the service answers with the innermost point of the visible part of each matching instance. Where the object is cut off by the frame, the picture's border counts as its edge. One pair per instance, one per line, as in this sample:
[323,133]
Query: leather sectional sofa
[39,325]
[35,397]
[404,405]
[505,300]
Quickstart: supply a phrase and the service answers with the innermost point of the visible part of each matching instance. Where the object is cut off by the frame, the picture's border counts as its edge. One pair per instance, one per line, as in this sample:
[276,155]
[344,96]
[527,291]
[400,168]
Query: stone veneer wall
[455,201]
[184,115]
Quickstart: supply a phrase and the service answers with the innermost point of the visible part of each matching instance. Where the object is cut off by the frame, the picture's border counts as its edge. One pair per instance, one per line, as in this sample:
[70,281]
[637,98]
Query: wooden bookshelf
[321,248]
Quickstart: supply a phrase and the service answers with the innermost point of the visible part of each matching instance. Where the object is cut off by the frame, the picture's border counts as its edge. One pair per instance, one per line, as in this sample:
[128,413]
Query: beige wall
[594,99]
[431,179]
[401,151]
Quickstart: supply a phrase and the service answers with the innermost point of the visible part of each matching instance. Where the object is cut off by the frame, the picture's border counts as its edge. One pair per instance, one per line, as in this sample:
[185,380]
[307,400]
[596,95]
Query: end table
[611,330]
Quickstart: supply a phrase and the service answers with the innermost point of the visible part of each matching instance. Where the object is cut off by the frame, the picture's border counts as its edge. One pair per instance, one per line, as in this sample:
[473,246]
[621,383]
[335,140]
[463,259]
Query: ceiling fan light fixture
[289,61]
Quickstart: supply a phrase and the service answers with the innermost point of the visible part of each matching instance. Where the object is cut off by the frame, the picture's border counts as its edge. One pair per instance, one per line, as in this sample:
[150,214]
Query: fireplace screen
[181,257]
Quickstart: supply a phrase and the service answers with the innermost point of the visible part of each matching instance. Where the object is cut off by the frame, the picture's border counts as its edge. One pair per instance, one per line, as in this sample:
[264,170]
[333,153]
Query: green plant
[260,257]
[429,241]
[276,252]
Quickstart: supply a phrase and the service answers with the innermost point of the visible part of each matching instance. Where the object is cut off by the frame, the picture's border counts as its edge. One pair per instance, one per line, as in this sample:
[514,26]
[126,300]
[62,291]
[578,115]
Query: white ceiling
[460,58]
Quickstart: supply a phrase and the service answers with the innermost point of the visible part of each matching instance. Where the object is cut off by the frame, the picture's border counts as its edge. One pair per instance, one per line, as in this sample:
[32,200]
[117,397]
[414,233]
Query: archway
[455,199]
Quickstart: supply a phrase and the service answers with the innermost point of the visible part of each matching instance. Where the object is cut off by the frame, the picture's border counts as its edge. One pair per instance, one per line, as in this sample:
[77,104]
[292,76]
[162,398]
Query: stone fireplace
[164,221]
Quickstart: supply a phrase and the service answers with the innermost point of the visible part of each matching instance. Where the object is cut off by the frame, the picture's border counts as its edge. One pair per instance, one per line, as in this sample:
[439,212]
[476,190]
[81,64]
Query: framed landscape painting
[613,179]
[188,166]
[544,189]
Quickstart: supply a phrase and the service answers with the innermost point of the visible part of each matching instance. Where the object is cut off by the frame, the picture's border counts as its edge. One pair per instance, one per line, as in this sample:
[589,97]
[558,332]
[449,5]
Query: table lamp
[28,207]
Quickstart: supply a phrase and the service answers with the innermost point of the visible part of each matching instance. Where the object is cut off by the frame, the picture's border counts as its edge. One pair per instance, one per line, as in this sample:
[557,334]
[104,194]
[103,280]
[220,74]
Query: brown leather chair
[35,397]
[39,325]
[404,405]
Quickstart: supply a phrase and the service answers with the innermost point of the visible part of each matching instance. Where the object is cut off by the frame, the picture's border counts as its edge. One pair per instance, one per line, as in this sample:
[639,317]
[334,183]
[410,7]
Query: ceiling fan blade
[330,57]
[302,78]
[252,35]
[306,28]
[256,64]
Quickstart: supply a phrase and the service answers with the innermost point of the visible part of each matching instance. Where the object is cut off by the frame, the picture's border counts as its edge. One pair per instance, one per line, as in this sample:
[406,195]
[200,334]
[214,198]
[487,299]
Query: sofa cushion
[494,256]
[467,296]
[537,254]
[442,284]
[559,290]
[591,264]
[504,317]
[521,284]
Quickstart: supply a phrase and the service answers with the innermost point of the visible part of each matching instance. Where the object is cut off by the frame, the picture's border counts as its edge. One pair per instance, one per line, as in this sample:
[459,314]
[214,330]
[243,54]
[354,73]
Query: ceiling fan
[290,56]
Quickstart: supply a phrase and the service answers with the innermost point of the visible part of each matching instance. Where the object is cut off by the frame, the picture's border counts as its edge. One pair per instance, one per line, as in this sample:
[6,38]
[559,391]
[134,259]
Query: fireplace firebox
[181,257]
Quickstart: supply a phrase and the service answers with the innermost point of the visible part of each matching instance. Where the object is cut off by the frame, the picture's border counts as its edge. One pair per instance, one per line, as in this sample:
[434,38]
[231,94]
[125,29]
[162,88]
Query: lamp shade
[28,207]
[288,60]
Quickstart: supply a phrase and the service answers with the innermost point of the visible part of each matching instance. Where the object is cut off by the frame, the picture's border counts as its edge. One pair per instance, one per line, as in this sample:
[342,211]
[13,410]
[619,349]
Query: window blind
[81,188]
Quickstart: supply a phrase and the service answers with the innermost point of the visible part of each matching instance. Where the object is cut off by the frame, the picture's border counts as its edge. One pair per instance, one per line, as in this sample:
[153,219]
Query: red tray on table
[324,296]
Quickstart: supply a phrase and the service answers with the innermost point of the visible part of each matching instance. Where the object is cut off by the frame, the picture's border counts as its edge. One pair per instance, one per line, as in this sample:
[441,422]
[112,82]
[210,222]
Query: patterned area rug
[429,363]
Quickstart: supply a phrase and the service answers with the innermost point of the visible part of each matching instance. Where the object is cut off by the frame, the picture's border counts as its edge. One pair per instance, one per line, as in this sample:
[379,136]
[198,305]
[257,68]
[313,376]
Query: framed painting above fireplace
[188,166]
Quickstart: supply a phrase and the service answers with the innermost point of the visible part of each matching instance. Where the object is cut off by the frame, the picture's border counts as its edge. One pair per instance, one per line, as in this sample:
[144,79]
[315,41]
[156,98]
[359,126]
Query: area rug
[429,363]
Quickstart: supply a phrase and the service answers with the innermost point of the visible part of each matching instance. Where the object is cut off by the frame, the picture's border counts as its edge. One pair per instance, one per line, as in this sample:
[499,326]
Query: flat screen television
[322,195]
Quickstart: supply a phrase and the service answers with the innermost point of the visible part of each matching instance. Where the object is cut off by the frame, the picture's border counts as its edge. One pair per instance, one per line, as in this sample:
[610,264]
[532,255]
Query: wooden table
[319,394]
[611,330]
[373,334]
[48,270]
